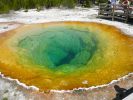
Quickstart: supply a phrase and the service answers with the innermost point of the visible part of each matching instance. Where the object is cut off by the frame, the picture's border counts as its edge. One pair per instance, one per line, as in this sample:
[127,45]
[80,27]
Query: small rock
[85,82]
[5,27]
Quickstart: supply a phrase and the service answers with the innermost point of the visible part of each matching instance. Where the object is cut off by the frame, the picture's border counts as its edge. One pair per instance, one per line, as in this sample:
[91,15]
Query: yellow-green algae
[62,55]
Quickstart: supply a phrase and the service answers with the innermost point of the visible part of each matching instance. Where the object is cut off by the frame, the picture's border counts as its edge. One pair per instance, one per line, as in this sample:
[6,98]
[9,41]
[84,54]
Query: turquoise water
[58,47]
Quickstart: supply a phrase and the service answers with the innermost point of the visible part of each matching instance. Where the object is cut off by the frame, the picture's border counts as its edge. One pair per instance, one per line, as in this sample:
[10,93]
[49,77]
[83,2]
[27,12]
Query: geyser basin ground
[65,55]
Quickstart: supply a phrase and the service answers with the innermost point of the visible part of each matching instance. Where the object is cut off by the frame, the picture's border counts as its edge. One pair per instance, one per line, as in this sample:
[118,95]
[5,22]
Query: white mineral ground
[14,90]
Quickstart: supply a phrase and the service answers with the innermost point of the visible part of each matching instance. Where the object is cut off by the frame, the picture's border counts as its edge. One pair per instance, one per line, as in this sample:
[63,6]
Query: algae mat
[65,55]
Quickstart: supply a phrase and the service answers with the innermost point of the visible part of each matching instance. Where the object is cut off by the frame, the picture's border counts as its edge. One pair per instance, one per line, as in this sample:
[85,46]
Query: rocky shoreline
[14,90]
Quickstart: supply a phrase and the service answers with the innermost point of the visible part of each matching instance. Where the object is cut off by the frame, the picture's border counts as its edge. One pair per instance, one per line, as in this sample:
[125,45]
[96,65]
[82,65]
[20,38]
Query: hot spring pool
[65,55]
